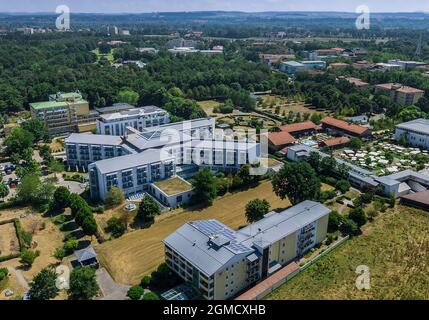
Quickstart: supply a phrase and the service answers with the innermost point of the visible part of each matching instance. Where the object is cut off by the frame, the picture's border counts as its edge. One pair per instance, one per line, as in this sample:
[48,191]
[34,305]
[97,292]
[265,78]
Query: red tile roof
[399,88]
[345,126]
[357,82]
[280,138]
[301,126]
[336,141]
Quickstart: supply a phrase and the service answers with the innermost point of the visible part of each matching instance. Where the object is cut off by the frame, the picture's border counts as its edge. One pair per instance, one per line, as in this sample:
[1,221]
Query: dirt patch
[9,243]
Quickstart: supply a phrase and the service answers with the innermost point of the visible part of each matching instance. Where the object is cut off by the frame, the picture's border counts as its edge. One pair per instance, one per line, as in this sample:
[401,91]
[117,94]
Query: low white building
[415,132]
[172,192]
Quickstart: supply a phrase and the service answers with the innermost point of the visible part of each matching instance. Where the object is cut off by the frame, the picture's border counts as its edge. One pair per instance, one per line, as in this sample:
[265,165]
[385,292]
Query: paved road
[109,288]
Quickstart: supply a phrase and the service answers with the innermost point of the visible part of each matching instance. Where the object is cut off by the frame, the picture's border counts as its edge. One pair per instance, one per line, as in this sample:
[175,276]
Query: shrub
[115,197]
[59,254]
[3,273]
[150,296]
[145,282]
[358,215]
[372,214]
[70,246]
[350,227]
[367,197]
[335,220]
[135,293]
[28,257]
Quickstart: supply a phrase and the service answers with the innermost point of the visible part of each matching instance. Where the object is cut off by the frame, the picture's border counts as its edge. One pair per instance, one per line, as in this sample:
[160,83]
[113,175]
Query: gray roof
[402,176]
[418,125]
[85,254]
[293,63]
[276,226]
[122,114]
[115,108]
[209,245]
[181,126]
[132,160]
[95,139]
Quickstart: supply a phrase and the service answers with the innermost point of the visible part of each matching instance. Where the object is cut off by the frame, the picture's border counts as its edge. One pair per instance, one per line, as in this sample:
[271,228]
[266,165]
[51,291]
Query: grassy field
[270,102]
[140,252]
[108,56]
[242,121]
[396,249]
[208,106]
[9,243]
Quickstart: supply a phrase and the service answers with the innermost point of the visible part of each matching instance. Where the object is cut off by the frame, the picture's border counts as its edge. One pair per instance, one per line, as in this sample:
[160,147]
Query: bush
[28,257]
[163,278]
[70,246]
[334,222]
[98,209]
[358,215]
[150,296]
[367,197]
[116,227]
[372,214]
[3,273]
[59,254]
[326,195]
[135,293]
[145,282]
[350,227]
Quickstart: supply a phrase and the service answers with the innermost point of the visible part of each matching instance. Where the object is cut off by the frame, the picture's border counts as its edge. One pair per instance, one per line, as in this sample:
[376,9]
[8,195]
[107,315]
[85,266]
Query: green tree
[83,284]
[77,203]
[204,184]
[343,186]
[245,176]
[4,190]
[116,227]
[61,198]
[70,246]
[128,96]
[335,220]
[17,141]
[355,144]
[59,254]
[256,209]
[28,189]
[148,210]
[115,197]
[89,225]
[135,293]
[145,282]
[296,181]
[36,127]
[358,215]
[43,286]
[350,227]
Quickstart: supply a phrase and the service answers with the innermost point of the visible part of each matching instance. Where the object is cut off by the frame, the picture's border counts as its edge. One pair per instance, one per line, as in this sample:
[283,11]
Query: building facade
[400,94]
[115,124]
[221,262]
[415,133]
[65,113]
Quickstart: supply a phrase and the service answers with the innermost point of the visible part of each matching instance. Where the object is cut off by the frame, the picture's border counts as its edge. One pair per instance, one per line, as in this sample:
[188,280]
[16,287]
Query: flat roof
[130,112]
[47,104]
[95,139]
[417,125]
[132,160]
[173,186]
[115,108]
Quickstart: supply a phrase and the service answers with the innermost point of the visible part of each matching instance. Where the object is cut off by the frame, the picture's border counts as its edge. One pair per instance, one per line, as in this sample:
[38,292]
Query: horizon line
[207,11]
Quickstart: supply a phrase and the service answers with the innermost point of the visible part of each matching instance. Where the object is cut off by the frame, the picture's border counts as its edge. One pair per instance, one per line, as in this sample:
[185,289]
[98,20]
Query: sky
[137,6]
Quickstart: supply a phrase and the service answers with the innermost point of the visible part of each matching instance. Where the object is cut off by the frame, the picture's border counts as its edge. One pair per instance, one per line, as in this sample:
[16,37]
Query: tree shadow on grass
[83,244]
[69,226]
[77,234]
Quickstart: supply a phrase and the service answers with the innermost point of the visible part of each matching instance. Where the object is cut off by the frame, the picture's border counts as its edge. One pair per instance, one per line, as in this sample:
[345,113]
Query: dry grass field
[140,252]
[396,249]
[270,102]
[9,243]
[208,106]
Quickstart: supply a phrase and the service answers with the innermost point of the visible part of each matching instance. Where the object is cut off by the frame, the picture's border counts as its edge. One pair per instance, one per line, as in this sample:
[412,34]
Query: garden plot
[385,158]
[9,243]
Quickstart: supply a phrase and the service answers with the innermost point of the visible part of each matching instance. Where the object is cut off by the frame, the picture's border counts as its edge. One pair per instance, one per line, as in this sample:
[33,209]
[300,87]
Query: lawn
[173,186]
[108,56]
[208,106]
[243,121]
[140,252]
[396,249]
[284,105]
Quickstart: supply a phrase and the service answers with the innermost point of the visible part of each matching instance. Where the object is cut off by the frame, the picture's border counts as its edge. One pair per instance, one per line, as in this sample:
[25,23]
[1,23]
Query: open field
[273,103]
[108,56]
[140,252]
[243,121]
[9,243]
[396,249]
[208,106]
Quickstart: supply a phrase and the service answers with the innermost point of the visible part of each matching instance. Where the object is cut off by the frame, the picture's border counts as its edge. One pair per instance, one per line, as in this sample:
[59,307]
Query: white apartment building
[131,173]
[115,124]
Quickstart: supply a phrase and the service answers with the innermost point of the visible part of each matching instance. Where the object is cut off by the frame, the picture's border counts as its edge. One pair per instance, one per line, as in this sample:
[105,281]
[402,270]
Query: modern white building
[220,262]
[415,132]
[131,173]
[115,124]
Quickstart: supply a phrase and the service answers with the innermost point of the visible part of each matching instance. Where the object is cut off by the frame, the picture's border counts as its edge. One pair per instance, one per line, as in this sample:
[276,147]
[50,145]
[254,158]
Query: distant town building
[338,65]
[147,50]
[406,65]
[400,94]
[188,50]
[362,64]
[180,42]
[221,262]
[292,67]
[275,58]
[357,82]
[125,32]
[387,66]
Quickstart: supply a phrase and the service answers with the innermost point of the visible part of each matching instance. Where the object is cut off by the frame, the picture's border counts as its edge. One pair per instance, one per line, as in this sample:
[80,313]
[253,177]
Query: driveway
[109,288]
